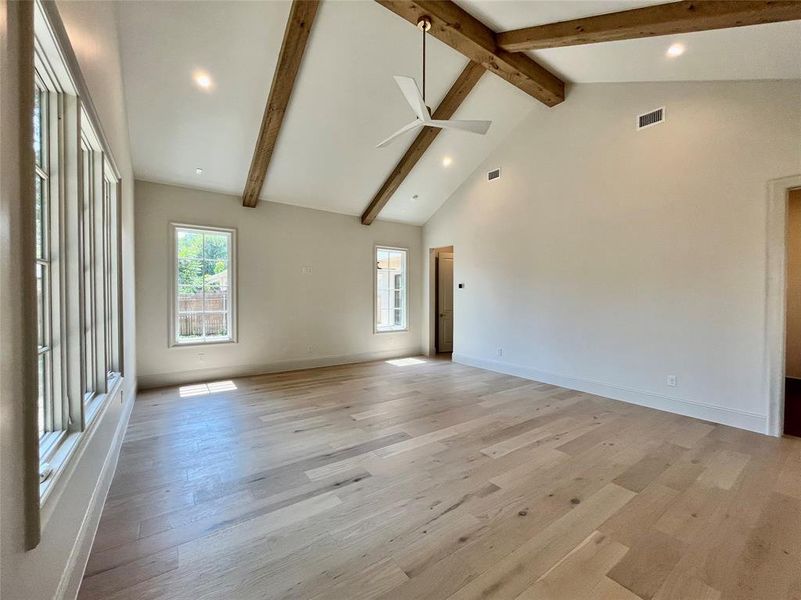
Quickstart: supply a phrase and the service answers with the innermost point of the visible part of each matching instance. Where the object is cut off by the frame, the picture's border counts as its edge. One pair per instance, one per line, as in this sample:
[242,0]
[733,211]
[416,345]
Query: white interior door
[445,302]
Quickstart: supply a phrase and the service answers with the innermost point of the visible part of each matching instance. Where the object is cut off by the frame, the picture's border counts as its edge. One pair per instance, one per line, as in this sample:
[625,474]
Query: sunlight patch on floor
[405,362]
[204,389]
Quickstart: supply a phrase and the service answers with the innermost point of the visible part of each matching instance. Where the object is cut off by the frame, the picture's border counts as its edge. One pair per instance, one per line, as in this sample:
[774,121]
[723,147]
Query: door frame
[433,280]
[775,299]
[439,310]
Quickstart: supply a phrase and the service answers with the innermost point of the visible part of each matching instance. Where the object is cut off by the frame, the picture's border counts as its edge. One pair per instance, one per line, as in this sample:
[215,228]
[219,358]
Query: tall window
[53,414]
[203,302]
[88,272]
[390,301]
[41,146]
[77,259]
[100,268]
[112,269]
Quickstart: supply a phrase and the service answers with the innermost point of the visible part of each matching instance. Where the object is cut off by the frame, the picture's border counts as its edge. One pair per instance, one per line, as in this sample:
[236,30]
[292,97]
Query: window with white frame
[390,300]
[77,259]
[112,268]
[204,285]
[52,419]
[88,272]
[100,268]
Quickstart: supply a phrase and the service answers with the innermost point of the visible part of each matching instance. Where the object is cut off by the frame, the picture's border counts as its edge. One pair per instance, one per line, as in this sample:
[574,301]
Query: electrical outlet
[671,380]
[500,351]
[310,349]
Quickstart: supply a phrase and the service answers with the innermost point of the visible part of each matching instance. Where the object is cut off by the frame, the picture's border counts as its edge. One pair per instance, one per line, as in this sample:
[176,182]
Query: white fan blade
[416,124]
[413,96]
[479,127]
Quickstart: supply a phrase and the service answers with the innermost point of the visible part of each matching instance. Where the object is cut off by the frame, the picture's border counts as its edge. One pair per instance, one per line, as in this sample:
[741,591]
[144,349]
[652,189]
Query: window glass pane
[190,326]
[383,281]
[215,247]
[41,305]
[216,325]
[382,259]
[189,299]
[395,260]
[40,216]
[190,274]
[37,125]
[189,244]
[42,392]
[215,296]
[215,283]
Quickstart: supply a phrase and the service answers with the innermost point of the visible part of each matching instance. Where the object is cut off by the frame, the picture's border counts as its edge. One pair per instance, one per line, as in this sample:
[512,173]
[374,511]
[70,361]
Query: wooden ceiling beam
[296,35]
[651,21]
[453,99]
[466,34]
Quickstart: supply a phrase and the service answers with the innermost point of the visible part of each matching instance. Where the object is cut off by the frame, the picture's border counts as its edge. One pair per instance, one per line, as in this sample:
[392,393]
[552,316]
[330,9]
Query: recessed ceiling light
[446,162]
[198,171]
[202,79]
[675,50]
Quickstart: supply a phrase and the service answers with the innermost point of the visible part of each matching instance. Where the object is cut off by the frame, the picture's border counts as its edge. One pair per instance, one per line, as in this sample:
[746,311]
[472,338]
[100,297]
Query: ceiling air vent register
[649,119]
[494,174]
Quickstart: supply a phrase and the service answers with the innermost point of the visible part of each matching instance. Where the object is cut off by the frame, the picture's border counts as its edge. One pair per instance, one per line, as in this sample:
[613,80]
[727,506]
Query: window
[390,301]
[77,259]
[112,268]
[88,272]
[100,269]
[50,426]
[204,288]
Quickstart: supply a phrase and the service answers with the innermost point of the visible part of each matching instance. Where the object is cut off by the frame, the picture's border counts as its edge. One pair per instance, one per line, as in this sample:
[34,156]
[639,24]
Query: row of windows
[77,259]
[203,299]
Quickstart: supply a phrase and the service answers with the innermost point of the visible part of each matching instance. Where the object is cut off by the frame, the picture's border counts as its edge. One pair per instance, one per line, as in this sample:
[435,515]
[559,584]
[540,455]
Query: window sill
[382,331]
[195,344]
[64,457]
[93,407]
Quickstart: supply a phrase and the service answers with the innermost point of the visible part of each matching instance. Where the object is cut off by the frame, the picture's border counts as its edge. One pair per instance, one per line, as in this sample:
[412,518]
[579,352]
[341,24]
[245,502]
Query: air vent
[652,118]
[494,174]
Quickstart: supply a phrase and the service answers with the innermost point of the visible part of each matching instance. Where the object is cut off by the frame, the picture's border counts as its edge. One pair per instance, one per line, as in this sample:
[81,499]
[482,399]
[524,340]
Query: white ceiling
[345,100]
[770,51]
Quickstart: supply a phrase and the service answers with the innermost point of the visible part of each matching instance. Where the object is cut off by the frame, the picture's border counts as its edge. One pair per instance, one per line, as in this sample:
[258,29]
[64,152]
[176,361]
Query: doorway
[441,301]
[792,320]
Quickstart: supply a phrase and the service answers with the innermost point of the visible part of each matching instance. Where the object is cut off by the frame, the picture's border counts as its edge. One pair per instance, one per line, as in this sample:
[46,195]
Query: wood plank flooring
[434,480]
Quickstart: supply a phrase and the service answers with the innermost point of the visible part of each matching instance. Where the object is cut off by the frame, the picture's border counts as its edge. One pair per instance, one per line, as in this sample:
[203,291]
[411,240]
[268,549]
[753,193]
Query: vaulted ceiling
[345,100]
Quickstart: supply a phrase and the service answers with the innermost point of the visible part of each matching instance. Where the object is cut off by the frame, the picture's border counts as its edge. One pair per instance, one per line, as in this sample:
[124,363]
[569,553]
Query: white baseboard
[79,556]
[156,380]
[699,410]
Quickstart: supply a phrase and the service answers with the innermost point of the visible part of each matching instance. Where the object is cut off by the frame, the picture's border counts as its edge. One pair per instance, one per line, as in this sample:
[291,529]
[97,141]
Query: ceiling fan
[417,101]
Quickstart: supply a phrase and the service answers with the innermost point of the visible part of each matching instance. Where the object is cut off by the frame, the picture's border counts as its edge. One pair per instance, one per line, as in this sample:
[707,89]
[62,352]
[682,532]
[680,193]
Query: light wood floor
[436,480]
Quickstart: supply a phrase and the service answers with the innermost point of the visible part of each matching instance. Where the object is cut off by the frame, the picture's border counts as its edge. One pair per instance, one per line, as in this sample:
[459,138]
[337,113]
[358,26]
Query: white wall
[287,319]
[606,259]
[69,516]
